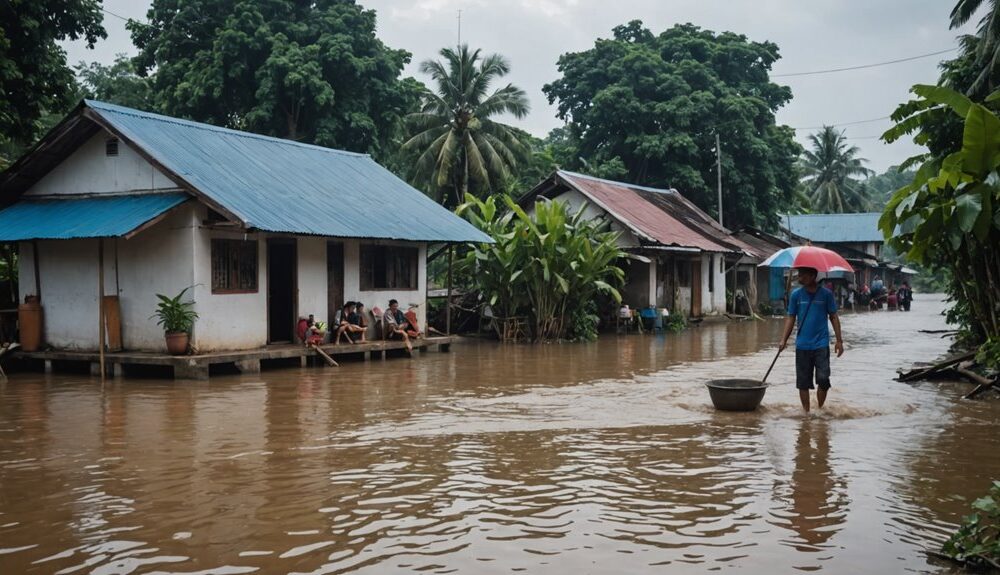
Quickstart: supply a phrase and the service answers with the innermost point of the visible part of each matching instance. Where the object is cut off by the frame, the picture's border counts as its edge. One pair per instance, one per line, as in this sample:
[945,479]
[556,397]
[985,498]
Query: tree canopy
[34,76]
[308,71]
[656,102]
[116,83]
[830,173]
[456,145]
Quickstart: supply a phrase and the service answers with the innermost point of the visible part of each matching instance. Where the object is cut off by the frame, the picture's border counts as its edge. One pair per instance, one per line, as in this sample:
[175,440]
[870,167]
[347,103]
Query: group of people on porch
[351,323]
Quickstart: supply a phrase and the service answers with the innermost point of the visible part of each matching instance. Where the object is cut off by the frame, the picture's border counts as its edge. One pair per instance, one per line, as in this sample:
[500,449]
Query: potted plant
[177,318]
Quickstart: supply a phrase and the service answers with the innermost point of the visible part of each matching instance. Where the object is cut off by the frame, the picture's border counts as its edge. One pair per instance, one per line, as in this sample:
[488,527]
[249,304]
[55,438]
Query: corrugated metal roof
[110,216]
[835,227]
[661,216]
[283,186]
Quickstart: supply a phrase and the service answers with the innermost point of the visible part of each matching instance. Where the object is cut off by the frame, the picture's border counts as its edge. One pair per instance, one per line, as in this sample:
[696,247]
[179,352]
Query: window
[234,266]
[388,267]
[111,147]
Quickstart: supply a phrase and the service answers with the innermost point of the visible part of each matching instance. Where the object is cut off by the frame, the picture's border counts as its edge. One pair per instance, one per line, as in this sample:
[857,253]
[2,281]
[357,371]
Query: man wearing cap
[810,305]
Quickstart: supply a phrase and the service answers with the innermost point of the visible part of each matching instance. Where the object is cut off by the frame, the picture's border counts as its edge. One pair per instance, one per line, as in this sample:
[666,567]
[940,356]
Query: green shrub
[674,323]
[977,541]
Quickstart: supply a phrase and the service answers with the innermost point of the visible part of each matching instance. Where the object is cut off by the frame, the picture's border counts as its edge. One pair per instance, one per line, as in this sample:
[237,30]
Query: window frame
[241,245]
[366,279]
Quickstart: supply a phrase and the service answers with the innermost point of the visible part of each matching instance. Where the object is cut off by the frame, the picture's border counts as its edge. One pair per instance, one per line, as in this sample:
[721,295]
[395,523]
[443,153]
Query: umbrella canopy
[820,259]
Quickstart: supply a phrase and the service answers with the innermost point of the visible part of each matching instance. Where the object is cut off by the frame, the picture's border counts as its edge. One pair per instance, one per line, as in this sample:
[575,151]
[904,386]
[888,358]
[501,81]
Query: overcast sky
[812,35]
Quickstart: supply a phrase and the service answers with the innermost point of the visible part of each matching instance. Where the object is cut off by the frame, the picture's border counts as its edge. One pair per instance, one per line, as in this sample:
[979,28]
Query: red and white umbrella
[820,259]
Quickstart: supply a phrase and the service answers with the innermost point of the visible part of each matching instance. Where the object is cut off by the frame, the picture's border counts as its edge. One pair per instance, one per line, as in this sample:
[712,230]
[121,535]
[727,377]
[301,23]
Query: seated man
[346,327]
[357,321]
[395,324]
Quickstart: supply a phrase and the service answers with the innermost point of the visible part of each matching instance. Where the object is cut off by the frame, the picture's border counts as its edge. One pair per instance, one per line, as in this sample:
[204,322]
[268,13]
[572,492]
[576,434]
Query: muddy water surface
[599,458]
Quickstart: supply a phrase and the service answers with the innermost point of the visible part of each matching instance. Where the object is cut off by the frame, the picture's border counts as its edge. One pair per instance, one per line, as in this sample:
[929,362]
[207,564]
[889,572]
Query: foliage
[986,54]
[458,147]
[174,315]
[34,77]
[8,273]
[308,71]
[829,172]
[977,541]
[117,83]
[583,322]
[656,103]
[949,215]
[878,188]
[547,266]
[674,323]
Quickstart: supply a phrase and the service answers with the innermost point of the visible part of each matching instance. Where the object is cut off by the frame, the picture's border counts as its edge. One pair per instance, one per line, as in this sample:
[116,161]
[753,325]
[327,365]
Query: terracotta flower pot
[177,343]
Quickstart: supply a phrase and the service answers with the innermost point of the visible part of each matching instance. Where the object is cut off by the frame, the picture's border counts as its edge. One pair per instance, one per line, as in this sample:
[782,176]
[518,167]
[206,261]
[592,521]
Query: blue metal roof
[283,186]
[111,216]
[835,227]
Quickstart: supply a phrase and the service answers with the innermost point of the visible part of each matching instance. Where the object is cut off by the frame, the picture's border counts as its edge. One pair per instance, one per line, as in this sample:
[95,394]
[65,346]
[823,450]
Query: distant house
[856,237]
[680,253]
[769,283]
[264,229]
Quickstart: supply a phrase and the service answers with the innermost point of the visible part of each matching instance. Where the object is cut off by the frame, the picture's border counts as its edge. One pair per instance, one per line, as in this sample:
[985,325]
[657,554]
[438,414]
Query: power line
[854,123]
[110,13]
[863,66]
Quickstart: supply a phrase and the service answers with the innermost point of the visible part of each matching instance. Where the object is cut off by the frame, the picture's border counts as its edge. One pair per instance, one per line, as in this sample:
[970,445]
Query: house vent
[111,147]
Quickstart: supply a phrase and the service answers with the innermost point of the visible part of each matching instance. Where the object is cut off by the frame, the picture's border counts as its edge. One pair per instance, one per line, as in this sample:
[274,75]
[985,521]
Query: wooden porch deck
[246,361]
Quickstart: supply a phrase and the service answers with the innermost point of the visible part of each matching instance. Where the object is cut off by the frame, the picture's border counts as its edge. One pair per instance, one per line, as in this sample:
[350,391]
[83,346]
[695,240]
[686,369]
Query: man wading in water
[810,305]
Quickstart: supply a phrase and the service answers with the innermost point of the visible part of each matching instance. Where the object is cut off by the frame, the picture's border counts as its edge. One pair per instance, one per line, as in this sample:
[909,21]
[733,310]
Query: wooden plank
[916,374]
[113,322]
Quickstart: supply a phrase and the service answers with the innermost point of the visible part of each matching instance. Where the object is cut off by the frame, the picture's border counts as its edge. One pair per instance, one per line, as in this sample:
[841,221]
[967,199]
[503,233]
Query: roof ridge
[618,183]
[116,109]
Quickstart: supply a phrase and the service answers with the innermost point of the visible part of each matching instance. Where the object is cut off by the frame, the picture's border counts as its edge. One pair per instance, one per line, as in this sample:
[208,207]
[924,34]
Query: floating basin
[736,394]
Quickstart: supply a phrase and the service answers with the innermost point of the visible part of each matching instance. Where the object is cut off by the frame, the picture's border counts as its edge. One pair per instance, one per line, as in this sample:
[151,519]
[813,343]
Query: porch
[246,361]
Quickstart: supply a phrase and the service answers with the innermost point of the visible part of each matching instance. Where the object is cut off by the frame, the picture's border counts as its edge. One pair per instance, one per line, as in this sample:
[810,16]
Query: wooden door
[696,288]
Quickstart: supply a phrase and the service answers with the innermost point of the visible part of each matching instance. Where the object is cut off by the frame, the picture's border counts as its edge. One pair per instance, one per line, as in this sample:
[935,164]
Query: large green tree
[986,48]
[34,77]
[116,83]
[657,102]
[457,144]
[830,172]
[308,71]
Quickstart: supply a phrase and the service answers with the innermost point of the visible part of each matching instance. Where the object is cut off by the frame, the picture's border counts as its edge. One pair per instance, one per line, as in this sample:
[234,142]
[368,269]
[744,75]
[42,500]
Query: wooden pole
[447,305]
[100,301]
[38,275]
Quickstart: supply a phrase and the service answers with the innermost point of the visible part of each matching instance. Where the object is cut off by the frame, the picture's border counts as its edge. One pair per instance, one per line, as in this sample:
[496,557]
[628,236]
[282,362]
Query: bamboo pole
[447,305]
[100,302]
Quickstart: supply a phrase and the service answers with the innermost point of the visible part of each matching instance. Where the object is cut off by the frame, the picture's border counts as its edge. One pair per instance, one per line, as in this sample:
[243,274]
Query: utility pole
[718,172]
[460,28]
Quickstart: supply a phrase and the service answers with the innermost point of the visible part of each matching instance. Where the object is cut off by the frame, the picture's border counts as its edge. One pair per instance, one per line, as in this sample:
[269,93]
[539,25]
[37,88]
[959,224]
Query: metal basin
[736,394]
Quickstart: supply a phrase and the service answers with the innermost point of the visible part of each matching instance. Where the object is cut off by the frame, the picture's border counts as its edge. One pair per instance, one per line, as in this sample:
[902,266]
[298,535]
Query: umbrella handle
[772,366]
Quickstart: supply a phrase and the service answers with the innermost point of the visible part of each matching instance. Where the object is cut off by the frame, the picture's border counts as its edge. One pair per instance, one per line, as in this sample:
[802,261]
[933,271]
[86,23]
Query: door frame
[696,292]
[293,242]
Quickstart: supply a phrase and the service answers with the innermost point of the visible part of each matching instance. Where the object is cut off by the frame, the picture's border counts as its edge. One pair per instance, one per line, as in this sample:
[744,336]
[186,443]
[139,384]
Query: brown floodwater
[589,458]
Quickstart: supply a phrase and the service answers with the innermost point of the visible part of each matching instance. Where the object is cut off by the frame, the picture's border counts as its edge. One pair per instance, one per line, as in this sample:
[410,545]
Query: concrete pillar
[117,370]
[188,371]
[304,361]
[248,366]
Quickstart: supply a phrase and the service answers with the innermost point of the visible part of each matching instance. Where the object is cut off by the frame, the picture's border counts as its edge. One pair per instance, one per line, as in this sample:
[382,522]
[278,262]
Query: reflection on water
[602,458]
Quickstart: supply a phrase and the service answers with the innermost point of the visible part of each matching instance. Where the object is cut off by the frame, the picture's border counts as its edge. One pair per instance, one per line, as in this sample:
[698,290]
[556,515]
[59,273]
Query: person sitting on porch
[308,331]
[357,320]
[395,324]
[345,327]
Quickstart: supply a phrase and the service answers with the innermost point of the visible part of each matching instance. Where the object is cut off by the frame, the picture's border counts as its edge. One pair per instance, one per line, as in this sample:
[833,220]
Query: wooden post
[447,305]
[100,302]
[38,276]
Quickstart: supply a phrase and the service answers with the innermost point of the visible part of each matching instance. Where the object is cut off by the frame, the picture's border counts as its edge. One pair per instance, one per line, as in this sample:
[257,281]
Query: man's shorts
[808,361]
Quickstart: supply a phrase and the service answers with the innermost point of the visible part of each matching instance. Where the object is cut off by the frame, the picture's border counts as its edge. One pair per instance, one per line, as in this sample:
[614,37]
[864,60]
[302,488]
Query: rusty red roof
[657,216]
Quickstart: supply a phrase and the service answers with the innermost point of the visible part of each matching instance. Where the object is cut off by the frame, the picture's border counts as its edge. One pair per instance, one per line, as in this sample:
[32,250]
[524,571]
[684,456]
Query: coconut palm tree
[457,146]
[987,44]
[829,172]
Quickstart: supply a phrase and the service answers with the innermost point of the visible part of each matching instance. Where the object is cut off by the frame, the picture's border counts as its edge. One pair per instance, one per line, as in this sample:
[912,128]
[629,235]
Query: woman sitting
[358,320]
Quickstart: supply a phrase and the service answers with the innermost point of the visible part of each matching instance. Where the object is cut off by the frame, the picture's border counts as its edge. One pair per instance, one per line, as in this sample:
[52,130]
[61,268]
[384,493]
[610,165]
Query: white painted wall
[713,302]
[574,199]
[227,321]
[89,170]
[380,298]
[312,277]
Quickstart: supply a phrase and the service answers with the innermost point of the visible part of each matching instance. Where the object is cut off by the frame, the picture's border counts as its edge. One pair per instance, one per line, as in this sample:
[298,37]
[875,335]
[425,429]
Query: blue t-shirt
[814,332]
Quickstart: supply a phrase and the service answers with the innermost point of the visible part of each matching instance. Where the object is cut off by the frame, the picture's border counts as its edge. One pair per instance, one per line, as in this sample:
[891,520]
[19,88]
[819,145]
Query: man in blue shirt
[810,306]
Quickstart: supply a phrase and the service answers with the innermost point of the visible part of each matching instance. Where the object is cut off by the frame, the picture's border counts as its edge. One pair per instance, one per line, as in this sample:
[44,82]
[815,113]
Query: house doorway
[334,279]
[281,289]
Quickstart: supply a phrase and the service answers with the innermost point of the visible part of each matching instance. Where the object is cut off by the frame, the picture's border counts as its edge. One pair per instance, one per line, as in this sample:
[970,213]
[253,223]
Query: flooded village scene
[458,286]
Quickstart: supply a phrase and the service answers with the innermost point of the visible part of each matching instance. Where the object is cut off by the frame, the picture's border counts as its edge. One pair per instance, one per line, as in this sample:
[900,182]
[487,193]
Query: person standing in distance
[810,305]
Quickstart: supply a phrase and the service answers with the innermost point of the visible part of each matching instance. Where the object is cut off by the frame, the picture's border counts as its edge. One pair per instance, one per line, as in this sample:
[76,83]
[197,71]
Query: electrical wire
[864,66]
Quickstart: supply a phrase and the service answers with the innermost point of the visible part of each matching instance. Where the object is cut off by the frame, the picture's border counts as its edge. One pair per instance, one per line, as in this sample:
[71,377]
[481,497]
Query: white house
[680,251]
[265,230]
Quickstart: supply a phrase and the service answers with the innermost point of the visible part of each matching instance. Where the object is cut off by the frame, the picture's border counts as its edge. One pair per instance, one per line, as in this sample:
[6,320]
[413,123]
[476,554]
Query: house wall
[89,170]
[380,298]
[574,199]
[640,284]
[155,261]
[713,302]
